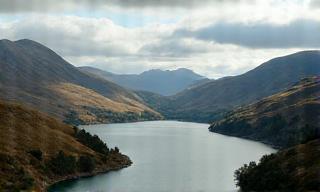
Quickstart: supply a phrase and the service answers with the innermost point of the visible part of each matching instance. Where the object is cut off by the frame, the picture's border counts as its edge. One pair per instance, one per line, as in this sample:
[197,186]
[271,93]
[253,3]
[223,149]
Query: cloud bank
[8,6]
[212,37]
[297,34]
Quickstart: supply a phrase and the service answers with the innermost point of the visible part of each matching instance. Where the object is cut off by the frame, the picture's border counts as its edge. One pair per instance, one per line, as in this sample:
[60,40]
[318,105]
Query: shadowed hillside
[207,102]
[33,74]
[37,150]
[283,120]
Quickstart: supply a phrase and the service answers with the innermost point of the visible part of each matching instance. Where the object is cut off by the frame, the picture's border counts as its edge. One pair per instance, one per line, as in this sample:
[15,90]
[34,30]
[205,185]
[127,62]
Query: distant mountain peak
[164,82]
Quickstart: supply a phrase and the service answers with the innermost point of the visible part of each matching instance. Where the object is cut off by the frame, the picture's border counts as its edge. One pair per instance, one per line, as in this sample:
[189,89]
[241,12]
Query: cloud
[73,36]
[297,34]
[104,44]
[315,4]
[175,48]
[8,6]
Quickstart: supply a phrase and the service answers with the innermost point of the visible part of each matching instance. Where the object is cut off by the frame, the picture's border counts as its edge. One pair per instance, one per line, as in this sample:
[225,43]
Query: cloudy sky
[214,38]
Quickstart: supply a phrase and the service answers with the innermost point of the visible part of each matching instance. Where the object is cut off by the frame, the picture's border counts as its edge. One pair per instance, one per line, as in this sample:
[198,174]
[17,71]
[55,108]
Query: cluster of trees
[91,141]
[265,176]
[294,169]
[63,164]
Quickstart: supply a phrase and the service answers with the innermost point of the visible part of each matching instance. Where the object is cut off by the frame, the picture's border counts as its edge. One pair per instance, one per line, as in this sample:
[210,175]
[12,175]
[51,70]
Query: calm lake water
[169,156]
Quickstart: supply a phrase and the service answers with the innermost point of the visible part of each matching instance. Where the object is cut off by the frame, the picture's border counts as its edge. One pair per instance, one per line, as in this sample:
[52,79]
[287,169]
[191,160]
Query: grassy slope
[22,130]
[35,75]
[283,120]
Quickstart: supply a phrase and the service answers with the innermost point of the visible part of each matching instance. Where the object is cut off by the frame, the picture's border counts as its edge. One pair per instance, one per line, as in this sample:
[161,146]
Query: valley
[44,98]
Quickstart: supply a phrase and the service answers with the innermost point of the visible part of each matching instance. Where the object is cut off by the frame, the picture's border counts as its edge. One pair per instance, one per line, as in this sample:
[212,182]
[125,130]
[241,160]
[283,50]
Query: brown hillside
[35,75]
[22,130]
[284,119]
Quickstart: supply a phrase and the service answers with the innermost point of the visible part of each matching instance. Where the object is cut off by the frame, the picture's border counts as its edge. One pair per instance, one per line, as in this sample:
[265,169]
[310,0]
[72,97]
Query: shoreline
[99,171]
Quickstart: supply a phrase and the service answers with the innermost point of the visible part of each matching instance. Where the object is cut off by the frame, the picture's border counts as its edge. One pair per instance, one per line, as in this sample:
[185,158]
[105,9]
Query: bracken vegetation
[13,177]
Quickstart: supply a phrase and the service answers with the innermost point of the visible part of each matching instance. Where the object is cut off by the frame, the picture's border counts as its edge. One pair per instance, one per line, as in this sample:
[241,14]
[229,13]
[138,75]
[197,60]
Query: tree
[86,164]
[62,164]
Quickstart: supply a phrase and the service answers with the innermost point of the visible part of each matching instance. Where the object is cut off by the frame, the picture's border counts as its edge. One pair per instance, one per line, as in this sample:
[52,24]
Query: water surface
[169,156]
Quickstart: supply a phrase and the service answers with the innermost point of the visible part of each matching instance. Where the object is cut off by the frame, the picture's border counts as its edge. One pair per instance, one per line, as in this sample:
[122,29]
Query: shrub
[86,164]
[37,153]
[62,164]
[265,176]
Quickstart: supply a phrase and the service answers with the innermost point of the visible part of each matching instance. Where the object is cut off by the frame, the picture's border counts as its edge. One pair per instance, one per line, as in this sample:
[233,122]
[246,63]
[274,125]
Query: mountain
[37,150]
[156,80]
[283,120]
[35,75]
[209,101]
[293,169]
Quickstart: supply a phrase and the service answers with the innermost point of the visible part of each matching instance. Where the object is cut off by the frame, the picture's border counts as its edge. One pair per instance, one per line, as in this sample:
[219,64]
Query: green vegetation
[86,164]
[294,169]
[37,153]
[93,142]
[62,164]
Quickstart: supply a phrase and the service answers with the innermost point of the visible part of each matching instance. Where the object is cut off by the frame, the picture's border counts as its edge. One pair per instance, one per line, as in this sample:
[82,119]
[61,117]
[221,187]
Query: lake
[169,156]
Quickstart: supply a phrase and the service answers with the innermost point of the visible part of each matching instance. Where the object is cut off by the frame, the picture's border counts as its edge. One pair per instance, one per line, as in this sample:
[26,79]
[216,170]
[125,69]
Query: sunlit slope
[23,130]
[33,74]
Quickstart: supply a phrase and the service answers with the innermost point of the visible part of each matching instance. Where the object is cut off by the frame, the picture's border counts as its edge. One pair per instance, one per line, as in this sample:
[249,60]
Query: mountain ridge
[209,101]
[164,82]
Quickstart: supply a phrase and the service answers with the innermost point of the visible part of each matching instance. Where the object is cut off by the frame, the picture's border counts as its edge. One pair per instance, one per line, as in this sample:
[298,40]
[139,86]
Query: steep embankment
[206,102]
[37,150]
[283,120]
[35,75]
